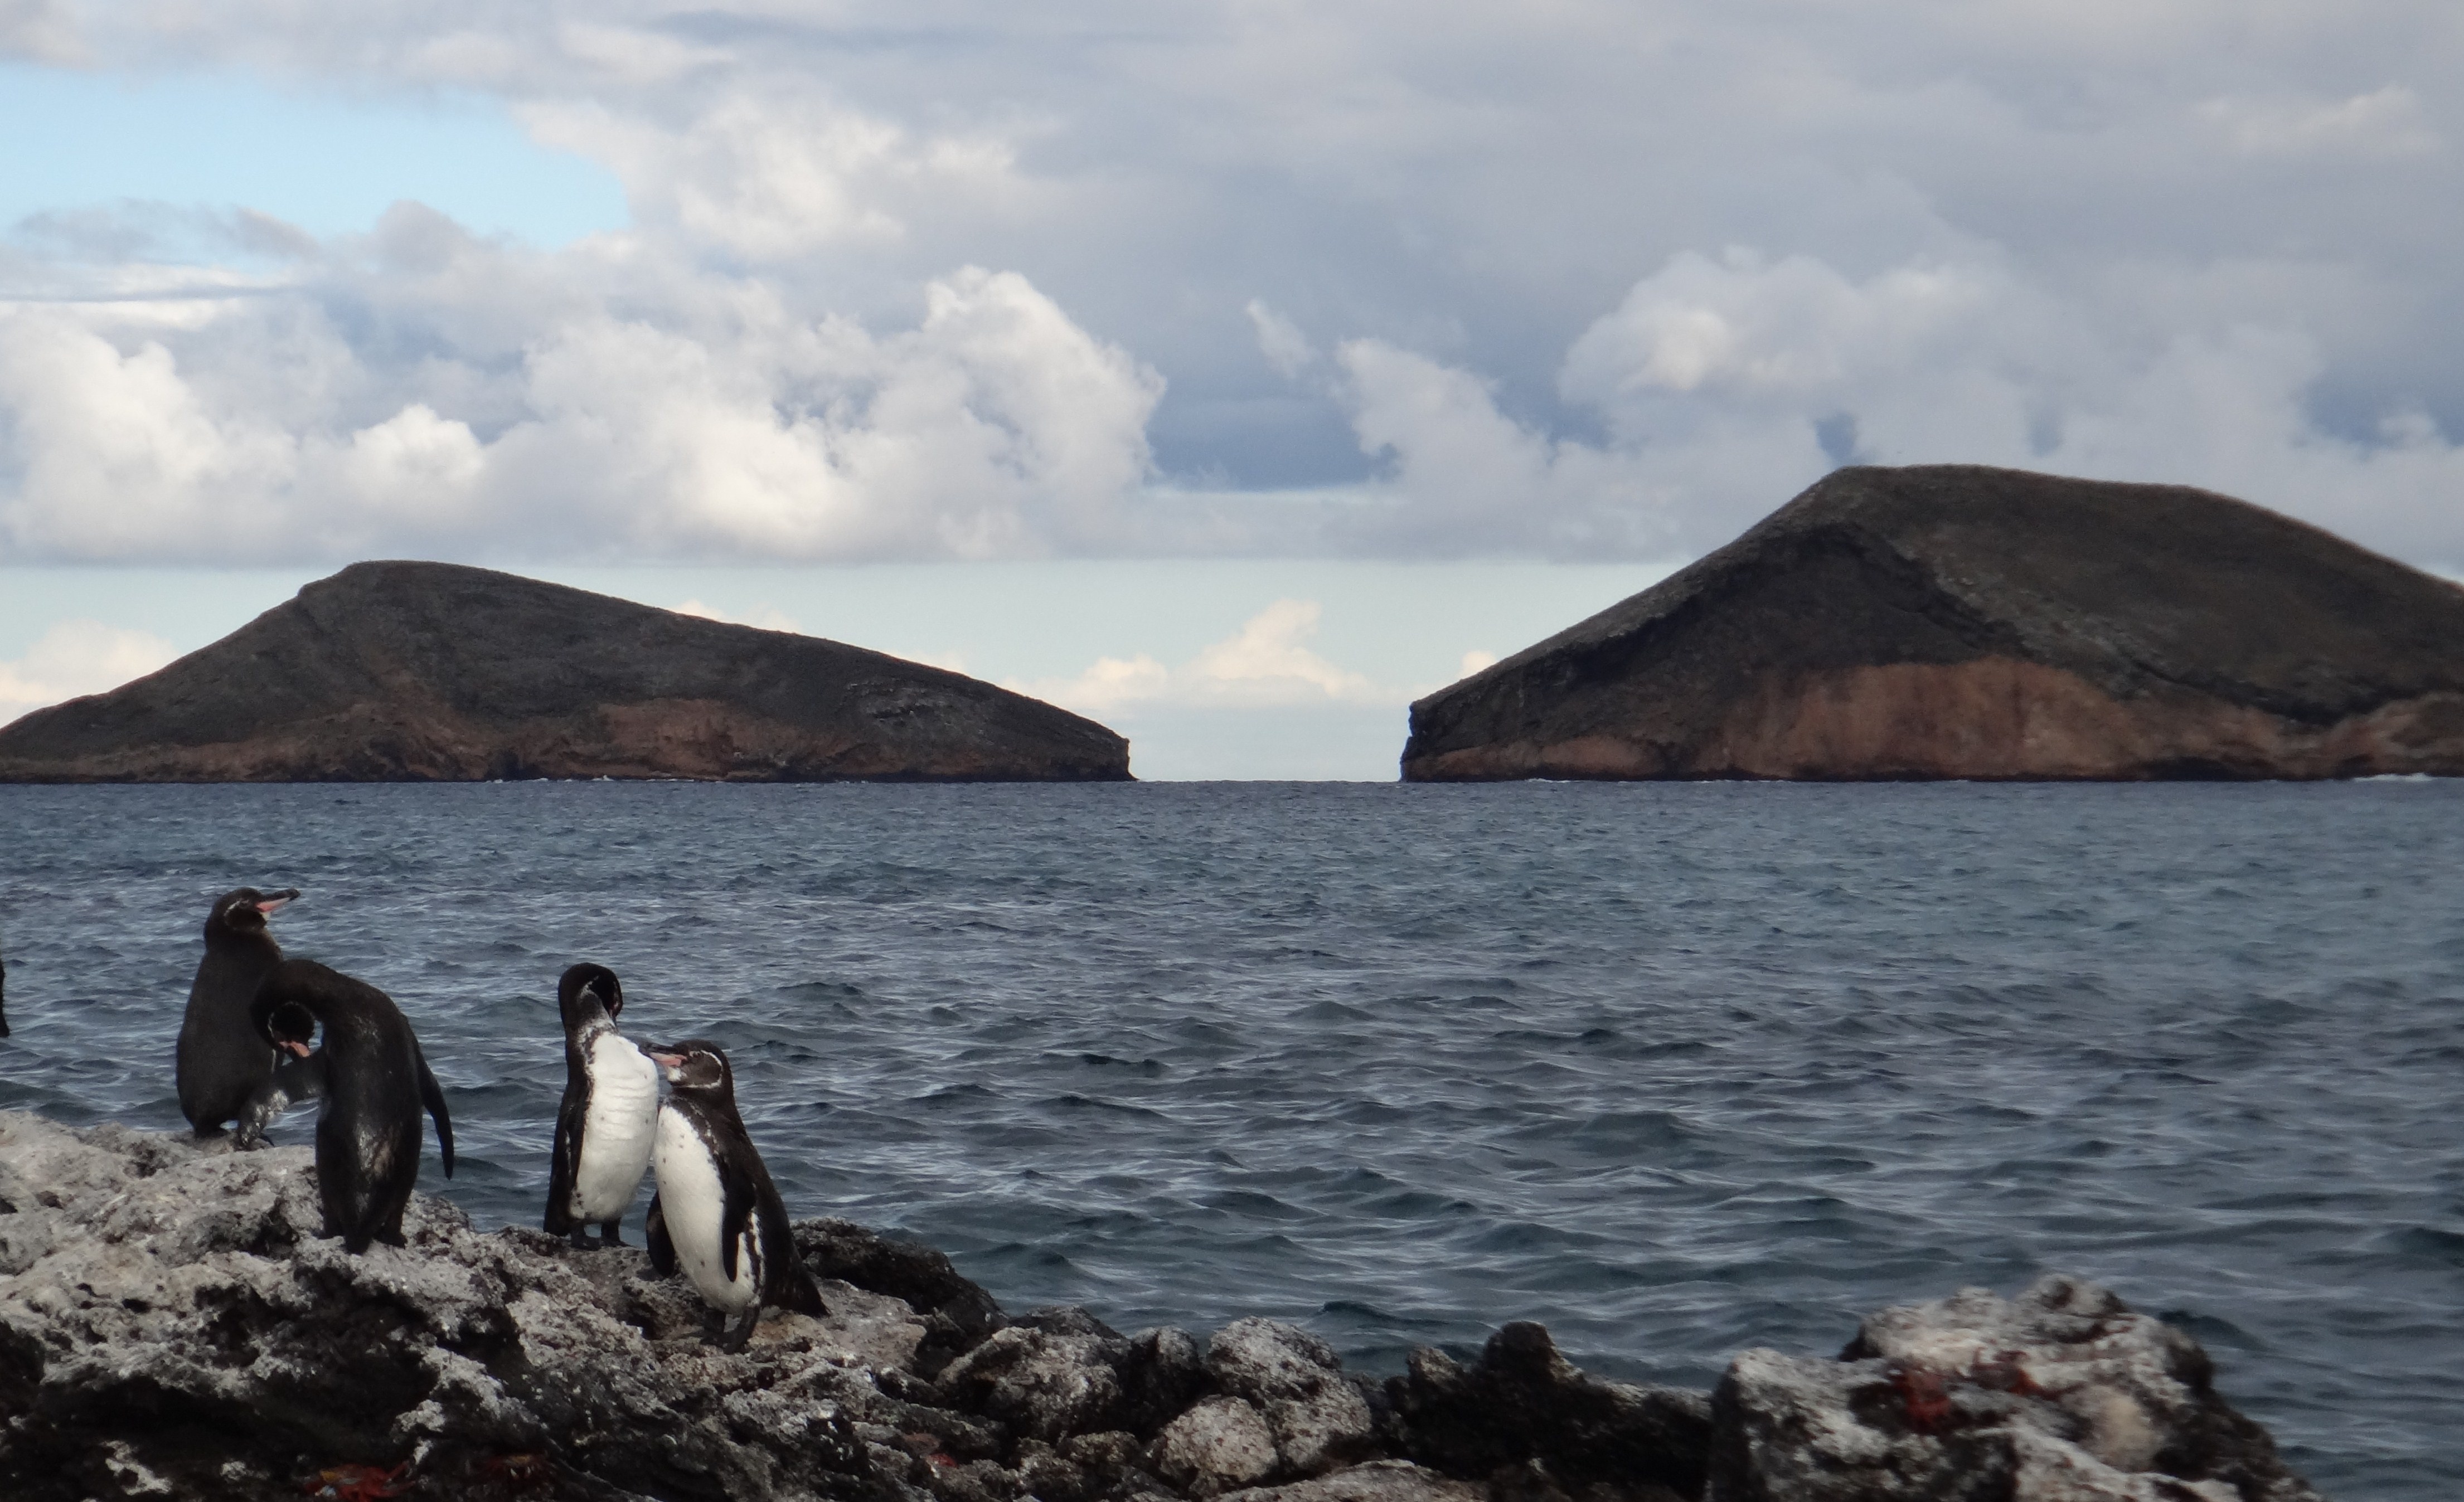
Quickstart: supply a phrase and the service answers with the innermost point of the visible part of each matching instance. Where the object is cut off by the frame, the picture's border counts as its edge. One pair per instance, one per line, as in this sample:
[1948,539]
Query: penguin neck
[589,1030]
[257,943]
[710,1104]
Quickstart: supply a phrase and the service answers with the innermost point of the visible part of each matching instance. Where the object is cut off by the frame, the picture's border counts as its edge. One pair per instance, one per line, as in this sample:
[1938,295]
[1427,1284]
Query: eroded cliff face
[433,673]
[1962,622]
[1993,719]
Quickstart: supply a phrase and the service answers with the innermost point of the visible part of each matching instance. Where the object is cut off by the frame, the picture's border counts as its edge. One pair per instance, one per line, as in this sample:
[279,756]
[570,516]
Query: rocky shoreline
[169,1327]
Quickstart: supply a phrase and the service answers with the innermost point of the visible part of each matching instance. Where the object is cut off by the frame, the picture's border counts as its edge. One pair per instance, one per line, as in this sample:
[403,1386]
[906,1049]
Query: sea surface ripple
[1674,1069]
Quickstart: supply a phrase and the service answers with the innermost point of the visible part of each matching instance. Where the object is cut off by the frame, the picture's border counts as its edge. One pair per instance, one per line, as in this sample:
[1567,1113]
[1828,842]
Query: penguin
[609,1116]
[372,1080]
[3,998]
[717,1213]
[221,1058]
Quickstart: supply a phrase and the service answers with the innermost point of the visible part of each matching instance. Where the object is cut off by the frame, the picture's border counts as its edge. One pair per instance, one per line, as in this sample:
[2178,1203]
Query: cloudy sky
[1230,371]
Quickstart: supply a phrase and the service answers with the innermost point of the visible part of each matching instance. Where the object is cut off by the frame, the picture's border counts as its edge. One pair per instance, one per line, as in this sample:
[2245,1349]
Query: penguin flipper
[565,1162]
[433,1096]
[734,1217]
[655,1231]
[294,1082]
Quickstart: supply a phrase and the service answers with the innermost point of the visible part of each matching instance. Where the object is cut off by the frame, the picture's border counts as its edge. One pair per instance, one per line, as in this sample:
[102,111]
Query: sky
[1230,371]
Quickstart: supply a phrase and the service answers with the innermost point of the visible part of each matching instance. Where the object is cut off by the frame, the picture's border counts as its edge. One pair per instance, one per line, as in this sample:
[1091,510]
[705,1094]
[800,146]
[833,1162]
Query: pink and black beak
[275,902]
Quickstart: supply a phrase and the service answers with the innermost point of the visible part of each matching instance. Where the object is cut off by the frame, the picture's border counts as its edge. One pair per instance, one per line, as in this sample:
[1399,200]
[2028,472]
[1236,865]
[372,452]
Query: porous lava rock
[1528,1419]
[1954,620]
[170,1326]
[433,673]
[2064,1394]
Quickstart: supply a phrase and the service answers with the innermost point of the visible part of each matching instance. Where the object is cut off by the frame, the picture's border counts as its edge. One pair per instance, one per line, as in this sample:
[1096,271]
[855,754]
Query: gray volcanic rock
[1961,622]
[170,1326]
[1319,1420]
[2060,1395]
[1526,1416]
[436,673]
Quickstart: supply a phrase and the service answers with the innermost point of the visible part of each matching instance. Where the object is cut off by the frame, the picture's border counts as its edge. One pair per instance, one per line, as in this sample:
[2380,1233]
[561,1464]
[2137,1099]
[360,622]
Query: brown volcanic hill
[1954,620]
[436,673]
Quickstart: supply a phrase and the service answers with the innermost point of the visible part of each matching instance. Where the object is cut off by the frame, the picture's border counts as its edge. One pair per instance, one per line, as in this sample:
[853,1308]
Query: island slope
[436,673]
[1955,620]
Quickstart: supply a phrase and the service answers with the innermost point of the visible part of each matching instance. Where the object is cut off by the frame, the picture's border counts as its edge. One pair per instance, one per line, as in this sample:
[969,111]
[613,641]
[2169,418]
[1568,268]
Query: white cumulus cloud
[76,658]
[1268,662]
[2387,121]
[710,418]
[908,283]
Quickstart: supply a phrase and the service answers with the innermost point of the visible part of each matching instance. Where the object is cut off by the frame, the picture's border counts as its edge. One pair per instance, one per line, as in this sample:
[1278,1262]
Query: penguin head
[695,1067]
[292,1027]
[586,991]
[244,911]
[297,995]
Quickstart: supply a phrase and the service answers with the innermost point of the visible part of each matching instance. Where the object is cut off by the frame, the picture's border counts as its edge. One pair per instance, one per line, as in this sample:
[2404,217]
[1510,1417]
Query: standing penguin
[717,1213]
[609,1117]
[222,1060]
[372,1080]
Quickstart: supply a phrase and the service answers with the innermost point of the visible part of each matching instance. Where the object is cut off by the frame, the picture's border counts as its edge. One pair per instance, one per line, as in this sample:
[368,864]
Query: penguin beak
[670,1064]
[274,900]
[296,1047]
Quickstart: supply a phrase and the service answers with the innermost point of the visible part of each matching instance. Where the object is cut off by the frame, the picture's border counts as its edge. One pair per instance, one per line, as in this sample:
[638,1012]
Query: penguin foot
[582,1241]
[612,1234]
[731,1337]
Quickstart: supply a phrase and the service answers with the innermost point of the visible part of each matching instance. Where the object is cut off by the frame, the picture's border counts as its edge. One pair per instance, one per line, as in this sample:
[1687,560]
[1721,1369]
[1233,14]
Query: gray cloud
[1594,280]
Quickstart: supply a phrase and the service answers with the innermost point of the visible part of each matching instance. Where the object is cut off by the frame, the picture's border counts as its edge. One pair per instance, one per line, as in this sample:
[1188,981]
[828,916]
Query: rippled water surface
[1675,1069]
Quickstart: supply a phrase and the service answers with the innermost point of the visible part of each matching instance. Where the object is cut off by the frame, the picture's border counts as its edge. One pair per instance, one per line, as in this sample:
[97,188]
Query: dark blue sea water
[1675,1069]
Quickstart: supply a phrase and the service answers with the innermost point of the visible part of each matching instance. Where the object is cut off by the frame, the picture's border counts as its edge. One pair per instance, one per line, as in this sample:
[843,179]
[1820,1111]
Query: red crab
[526,1471]
[1923,1392]
[357,1483]
[2004,1373]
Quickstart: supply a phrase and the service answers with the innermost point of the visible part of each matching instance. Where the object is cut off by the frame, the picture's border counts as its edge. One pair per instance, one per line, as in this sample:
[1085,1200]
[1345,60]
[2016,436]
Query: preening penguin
[372,1080]
[609,1116]
[222,1060]
[717,1216]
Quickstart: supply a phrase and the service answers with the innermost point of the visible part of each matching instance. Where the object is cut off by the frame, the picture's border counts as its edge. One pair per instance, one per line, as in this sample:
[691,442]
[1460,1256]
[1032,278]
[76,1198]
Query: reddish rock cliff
[429,672]
[1962,622]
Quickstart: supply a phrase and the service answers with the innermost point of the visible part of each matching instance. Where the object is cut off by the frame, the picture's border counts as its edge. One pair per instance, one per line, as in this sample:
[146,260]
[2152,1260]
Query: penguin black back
[709,1131]
[373,1081]
[221,1058]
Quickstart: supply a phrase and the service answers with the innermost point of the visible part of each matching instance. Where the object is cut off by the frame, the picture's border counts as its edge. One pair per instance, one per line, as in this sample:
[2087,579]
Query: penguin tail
[801,1294]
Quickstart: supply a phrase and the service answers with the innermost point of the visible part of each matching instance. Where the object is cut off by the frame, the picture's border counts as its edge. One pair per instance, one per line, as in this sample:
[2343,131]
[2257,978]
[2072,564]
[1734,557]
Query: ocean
[1675,1069]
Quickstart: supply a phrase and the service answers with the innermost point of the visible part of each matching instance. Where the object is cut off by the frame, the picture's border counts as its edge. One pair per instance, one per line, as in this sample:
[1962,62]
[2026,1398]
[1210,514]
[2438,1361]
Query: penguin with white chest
[608,1119]
[717,1216]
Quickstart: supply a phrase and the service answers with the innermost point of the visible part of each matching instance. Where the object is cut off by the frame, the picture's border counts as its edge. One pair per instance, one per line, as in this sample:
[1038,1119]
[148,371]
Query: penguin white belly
[617,1131]
[694,1204]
